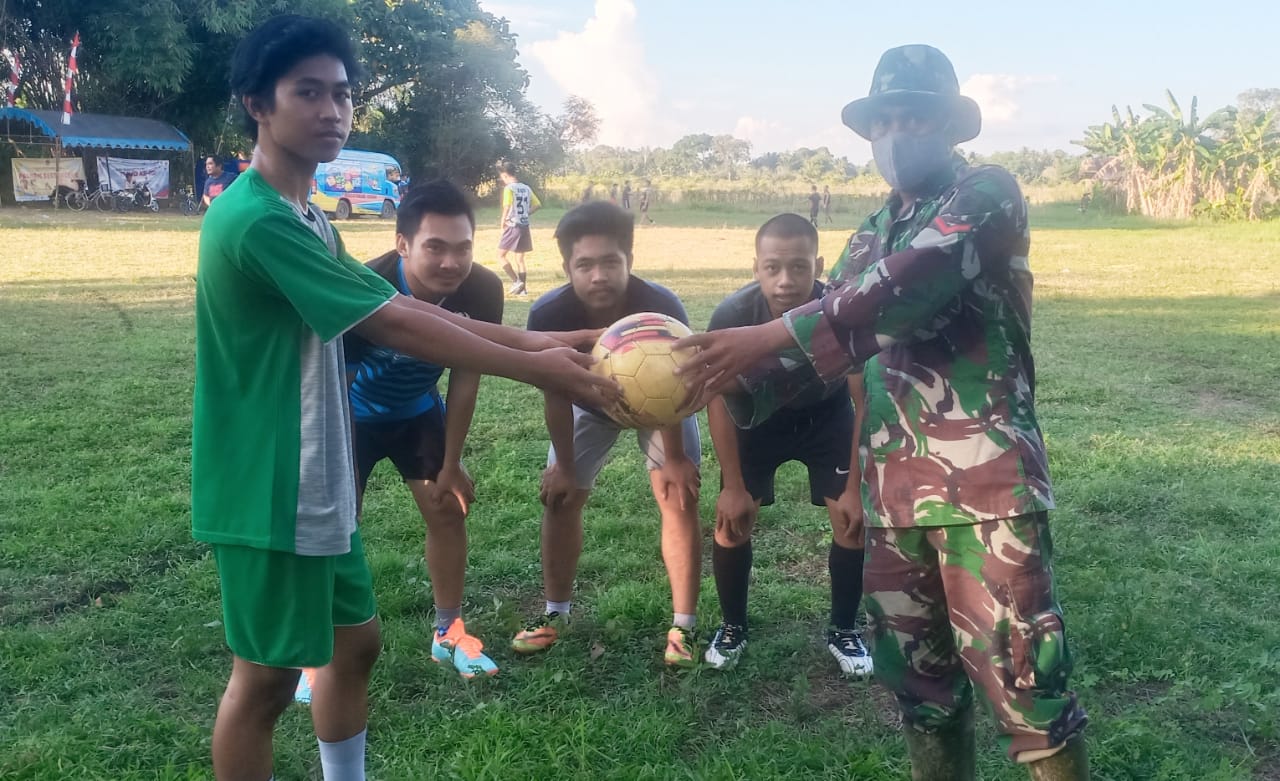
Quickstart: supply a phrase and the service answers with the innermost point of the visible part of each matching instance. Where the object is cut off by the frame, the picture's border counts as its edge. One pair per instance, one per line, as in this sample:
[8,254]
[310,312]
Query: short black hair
[272,48]
[438,196]
[788,226]
[597,218]
[214,160]
[507,168]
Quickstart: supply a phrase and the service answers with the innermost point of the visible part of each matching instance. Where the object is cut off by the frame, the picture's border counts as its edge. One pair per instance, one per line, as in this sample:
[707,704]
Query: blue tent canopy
[101,131]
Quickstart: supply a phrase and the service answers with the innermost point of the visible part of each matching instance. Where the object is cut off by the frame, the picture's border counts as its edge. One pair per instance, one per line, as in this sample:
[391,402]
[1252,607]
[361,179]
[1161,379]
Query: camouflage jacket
[936,302]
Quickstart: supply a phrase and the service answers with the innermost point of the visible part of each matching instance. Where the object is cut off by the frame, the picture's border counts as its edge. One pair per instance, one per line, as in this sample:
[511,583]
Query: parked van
[358,182]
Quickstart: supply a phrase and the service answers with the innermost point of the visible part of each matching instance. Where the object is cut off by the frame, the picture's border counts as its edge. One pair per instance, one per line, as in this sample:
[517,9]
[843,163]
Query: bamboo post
[57,170]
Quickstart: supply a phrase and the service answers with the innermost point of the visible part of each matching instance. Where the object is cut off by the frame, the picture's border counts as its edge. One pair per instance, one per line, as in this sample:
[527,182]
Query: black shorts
[414,445]
[820,437]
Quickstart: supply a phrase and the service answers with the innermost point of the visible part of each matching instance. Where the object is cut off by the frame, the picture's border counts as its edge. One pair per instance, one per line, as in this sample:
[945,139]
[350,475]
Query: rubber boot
[1069,764]
[944,755]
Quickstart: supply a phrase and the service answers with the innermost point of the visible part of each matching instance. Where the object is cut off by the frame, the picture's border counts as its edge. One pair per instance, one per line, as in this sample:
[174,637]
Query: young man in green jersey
[273,483]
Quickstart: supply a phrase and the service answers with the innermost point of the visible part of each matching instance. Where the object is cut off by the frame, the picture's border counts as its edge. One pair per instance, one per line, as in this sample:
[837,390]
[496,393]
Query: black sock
[845,566]
[524,277]
[732,570]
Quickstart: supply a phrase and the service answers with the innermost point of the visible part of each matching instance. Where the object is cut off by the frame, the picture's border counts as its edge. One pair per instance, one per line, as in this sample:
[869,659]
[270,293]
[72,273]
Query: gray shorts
[516,238]
[594,436]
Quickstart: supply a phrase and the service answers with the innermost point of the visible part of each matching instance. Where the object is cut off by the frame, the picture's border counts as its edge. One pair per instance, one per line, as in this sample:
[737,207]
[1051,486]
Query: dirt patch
[1211,403]
[827,693]
[774,701]
[1268,769]
[159,563]
[51,597]
[857,703]
[886,705]
[811,569]
[1139,692]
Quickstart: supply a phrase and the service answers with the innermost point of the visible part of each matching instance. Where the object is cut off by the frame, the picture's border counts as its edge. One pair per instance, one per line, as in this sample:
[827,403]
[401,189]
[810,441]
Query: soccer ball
[636,353]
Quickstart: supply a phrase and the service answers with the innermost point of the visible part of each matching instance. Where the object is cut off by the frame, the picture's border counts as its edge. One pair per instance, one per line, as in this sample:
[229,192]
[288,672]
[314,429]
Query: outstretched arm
[505,335]
[896,299]
[408,328]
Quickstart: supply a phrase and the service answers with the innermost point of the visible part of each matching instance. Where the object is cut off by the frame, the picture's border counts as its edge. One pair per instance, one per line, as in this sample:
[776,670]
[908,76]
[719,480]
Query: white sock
[562,608]
[343,760]
[684,620]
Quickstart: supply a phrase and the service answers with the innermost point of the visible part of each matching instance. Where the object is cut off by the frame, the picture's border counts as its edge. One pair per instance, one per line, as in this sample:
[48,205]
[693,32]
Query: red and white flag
[15,75]
[72,70]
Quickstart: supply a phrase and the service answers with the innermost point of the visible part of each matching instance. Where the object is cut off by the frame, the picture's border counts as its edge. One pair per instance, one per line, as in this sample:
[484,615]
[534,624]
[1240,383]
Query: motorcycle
[136,197]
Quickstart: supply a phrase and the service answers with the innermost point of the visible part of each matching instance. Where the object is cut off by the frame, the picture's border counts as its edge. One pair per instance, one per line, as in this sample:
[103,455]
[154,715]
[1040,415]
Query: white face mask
[907,161]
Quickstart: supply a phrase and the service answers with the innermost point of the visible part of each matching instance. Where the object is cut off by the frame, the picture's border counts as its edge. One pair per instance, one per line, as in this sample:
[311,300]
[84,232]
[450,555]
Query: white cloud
[605,63]
[768,135]
[526,16]
[999,94]
[765,135]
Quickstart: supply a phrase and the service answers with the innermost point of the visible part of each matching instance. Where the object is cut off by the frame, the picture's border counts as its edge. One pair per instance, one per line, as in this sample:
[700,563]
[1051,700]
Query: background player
[518,204]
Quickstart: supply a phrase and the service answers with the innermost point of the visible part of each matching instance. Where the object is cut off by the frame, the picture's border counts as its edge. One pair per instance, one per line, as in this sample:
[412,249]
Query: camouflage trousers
[953,606]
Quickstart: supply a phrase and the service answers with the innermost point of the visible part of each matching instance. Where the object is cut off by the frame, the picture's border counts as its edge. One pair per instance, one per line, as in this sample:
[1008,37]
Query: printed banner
[35,178]
[124,174]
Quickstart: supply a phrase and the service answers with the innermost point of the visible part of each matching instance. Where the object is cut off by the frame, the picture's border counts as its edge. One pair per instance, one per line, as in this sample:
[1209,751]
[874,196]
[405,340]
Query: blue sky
[778,73]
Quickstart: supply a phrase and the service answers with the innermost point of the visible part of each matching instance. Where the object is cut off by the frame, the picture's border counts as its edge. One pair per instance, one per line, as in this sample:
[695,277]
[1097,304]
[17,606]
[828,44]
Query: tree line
[445,93]
[444,90]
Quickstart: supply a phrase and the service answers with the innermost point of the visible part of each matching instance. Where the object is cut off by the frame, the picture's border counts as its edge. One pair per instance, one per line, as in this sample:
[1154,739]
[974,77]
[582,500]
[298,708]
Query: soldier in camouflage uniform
[932,299]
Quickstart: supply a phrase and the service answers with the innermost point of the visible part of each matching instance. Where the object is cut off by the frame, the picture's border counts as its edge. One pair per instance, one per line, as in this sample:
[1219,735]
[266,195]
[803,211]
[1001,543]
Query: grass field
[1158,352]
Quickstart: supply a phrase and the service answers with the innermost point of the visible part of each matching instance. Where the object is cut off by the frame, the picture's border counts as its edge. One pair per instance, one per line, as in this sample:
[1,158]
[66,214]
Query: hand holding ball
[636,353]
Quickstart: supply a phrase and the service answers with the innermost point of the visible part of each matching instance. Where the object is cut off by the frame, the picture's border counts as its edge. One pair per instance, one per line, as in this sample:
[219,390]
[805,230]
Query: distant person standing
[588,191]
[815,201]
[644,202]
[216,180]
[826,202]
[518,205]
[613,192]
[626,195]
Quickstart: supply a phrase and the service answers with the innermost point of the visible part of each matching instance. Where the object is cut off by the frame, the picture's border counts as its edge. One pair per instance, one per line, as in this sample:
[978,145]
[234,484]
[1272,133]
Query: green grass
[1158,352]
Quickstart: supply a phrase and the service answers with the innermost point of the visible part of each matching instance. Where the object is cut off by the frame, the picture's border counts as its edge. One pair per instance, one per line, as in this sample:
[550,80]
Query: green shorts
[280,609]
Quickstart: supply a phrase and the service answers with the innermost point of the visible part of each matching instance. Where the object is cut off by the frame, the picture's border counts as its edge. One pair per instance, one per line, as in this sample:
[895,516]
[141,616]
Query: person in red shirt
[216,180]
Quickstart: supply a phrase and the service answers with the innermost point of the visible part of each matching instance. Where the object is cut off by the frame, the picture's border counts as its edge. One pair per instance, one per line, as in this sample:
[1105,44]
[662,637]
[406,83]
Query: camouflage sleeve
[904,295]
[844,266]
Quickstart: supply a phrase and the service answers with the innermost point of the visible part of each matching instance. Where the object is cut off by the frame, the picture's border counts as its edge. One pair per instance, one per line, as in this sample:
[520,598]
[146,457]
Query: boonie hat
[918,74]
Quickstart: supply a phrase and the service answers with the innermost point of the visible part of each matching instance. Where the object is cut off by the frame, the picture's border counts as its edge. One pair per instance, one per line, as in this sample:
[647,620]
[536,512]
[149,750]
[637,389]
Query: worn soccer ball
[636,353]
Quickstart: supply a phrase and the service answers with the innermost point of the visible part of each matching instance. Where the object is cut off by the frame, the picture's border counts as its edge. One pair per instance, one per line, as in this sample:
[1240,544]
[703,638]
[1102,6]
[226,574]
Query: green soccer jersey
[271,463]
